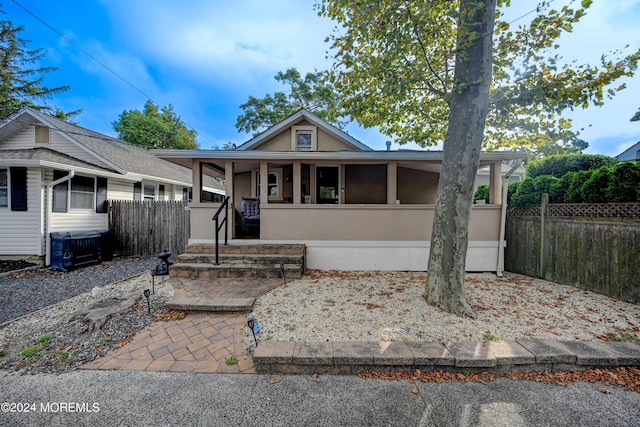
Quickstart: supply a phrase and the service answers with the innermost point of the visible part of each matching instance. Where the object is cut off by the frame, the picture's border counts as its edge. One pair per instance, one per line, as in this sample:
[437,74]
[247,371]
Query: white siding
[173,192]
[119,190]
[79,220]
[27,139]
[76,220]
[21,232]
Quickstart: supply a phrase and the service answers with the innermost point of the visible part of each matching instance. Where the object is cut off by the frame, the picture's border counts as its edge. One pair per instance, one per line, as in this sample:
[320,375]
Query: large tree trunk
[462,146]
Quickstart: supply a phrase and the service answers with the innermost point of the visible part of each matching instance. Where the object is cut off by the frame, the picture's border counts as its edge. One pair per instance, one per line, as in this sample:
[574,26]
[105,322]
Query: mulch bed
[11,265]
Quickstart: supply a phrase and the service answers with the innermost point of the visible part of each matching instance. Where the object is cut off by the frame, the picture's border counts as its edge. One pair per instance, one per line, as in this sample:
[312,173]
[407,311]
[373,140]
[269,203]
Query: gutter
[49,196]
[503,218]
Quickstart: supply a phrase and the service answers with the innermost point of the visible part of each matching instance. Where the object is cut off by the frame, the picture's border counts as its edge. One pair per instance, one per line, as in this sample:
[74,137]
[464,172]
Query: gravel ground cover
[388,306]
[26,291]
[54,340]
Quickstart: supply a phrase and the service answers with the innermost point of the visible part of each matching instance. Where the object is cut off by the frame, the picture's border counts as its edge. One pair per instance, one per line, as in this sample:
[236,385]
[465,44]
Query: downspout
[503,218]
[47,249]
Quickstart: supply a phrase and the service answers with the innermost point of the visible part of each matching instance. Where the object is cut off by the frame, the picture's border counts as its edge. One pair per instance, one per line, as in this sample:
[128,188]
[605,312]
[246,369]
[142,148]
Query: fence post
[543,226]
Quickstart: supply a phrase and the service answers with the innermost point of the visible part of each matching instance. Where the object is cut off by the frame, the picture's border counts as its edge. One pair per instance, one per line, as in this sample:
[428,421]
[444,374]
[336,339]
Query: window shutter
[18,189]
[137,191]
[60,192]
[101,196]
[161,192]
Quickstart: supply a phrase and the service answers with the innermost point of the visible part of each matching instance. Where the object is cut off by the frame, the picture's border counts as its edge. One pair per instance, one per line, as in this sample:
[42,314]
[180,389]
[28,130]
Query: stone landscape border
[529,355]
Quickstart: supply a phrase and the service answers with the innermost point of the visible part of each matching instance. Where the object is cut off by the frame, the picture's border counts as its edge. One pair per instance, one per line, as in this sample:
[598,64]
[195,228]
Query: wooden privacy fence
[146,228]
[590,246]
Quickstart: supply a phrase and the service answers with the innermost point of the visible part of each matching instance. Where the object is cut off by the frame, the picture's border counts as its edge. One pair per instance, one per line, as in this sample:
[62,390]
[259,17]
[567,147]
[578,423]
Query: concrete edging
[529,355]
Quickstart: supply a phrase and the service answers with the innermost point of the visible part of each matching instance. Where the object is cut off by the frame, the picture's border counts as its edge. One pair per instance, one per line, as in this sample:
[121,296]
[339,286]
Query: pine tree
[21,76]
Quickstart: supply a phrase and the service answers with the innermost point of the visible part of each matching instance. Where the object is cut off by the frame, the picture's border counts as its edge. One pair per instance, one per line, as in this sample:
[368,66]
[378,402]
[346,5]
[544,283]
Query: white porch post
[297,182]
[392,183]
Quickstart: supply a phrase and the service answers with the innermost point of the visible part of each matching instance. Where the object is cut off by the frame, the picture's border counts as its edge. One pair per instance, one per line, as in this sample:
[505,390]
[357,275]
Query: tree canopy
[395,61]
[155,128]
[22,76]
[312,93]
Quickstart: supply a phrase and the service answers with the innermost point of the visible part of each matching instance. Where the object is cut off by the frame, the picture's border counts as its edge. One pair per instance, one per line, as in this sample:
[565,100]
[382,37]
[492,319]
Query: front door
[327,184]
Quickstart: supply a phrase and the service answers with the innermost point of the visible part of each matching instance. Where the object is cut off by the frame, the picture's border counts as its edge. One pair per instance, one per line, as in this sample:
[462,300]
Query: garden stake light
[253,325]
[284,281]
[146,295]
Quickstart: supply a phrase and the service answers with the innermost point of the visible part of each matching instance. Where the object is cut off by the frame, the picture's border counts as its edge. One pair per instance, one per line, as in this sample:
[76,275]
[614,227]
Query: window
[303,138]
[83,192]
[272,185]
[149,194]
[4,188]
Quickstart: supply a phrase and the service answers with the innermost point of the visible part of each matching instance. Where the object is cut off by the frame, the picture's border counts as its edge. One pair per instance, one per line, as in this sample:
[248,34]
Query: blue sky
[207,57]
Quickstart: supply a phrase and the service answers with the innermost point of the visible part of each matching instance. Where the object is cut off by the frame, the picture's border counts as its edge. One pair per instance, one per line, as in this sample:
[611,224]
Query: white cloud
[227,40]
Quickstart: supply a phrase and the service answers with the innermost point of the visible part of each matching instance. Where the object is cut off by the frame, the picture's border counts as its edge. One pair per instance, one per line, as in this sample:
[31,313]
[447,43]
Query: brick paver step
[250,270]
[215,305]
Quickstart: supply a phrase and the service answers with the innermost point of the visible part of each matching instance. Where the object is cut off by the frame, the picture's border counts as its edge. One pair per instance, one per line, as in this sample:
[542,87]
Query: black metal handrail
[225,206]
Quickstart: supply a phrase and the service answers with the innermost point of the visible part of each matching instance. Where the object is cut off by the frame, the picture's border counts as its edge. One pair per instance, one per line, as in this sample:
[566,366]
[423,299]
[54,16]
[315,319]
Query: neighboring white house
[57,177]
[631,153]
[484,173]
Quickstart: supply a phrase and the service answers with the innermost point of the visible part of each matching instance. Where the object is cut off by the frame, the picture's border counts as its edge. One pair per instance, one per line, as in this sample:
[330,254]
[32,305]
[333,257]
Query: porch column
[297,182]
[341,196]
[196,180]
[392,183]
[228,189]
[495,181]
[264,183]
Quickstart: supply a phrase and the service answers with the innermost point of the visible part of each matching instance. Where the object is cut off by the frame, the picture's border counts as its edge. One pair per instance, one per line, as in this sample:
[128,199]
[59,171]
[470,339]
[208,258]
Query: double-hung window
[149,193]
[273,188]
[83,192]
[4,188]
[80,193]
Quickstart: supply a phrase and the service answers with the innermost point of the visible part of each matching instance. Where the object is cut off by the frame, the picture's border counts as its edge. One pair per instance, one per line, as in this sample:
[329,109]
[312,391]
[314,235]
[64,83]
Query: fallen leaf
[414,390]
[273,381]
[604,390]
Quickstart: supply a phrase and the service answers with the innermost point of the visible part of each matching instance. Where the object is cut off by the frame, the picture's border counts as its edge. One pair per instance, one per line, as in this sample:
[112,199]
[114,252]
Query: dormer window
[303,138]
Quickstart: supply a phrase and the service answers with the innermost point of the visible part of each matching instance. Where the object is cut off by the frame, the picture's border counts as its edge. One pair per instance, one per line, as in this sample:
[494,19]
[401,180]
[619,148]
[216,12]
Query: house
[631,153]
[56,177]
[484,173]
[353,207]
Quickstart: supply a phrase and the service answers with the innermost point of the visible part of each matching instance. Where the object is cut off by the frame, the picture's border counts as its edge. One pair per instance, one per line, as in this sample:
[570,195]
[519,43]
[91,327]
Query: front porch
[361,237]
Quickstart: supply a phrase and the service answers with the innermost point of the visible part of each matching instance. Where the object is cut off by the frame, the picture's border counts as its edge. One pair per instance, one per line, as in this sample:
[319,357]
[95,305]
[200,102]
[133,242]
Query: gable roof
[630,153]
[297,117]
[107,153]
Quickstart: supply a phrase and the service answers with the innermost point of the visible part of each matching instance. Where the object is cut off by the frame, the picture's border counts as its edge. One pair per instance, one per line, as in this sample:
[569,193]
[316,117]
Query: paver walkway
[201,342]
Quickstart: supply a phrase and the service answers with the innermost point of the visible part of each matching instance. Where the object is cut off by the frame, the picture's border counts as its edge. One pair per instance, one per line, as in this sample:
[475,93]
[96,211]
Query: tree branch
[432,88]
